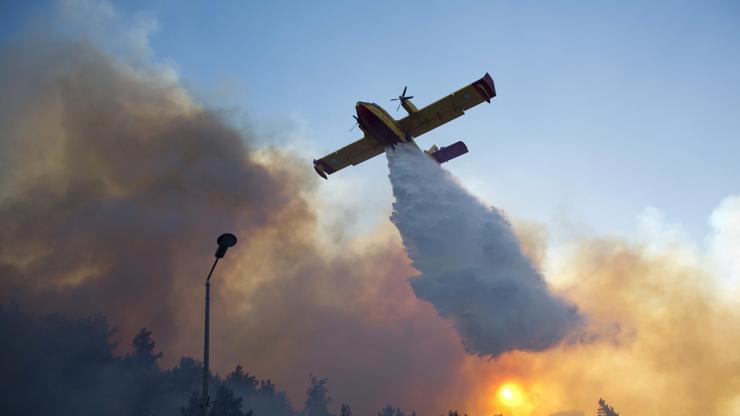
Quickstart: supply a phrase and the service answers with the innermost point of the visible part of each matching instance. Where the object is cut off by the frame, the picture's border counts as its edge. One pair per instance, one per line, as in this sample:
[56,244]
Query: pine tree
[194,407]
[268,387]
[242,382]
[317,397]
[225,404]
[144,349]
[605,409]
[389,410]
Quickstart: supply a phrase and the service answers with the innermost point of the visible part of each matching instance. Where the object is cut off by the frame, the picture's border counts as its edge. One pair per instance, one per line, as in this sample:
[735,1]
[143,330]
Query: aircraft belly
[379,129]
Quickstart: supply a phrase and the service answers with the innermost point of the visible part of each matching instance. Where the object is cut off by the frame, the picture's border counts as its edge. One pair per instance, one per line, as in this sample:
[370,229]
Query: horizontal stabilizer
[450,152]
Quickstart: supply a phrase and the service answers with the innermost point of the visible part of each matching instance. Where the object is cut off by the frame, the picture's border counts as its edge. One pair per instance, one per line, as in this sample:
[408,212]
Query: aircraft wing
[352,154]
[450,107]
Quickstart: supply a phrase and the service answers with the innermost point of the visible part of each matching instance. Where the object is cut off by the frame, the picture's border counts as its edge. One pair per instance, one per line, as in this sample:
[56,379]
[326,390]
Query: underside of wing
[450,107]
[352,154]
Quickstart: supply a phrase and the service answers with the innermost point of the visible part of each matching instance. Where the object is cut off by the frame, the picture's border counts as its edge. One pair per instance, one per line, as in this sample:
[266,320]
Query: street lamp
[224,241]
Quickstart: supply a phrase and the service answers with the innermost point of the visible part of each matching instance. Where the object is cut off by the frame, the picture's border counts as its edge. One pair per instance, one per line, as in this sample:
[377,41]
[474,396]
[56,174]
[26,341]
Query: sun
[510,395]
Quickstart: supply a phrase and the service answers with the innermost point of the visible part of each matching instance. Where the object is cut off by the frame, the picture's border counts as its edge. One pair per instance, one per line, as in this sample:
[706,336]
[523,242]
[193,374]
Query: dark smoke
[114,186]
[472,267]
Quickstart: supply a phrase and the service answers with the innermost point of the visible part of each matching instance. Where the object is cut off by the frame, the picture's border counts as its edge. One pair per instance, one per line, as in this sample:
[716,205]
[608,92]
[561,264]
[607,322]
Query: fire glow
[510,395]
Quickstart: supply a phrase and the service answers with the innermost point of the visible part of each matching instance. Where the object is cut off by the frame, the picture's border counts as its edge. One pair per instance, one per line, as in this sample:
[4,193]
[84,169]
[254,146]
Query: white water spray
[472,267]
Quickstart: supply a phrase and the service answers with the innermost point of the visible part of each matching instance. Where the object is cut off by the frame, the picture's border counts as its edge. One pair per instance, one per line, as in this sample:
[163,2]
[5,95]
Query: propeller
[357,122]
[401,98]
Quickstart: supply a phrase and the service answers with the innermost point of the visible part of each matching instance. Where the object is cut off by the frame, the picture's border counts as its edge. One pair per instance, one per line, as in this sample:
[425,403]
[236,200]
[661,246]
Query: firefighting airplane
[381,130]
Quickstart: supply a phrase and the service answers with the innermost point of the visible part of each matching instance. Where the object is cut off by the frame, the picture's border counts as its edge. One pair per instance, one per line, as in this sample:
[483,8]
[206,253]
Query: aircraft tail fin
[448,153]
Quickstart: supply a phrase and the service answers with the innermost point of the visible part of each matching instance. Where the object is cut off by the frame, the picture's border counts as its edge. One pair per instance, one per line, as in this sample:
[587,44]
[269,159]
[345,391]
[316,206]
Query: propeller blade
[357,122]
[401,98]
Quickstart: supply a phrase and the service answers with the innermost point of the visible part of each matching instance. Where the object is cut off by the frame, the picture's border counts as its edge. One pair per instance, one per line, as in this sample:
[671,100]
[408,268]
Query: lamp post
[224,241]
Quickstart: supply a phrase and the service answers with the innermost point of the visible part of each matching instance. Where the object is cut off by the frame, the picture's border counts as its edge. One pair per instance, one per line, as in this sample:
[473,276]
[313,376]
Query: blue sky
[604,108]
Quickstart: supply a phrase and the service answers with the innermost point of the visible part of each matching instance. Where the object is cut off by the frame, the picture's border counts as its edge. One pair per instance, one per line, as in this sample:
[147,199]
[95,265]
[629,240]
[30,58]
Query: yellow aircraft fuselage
[378,124]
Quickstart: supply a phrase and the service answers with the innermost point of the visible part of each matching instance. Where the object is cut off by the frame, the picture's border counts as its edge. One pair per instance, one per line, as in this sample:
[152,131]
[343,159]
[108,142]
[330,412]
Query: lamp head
[225,241]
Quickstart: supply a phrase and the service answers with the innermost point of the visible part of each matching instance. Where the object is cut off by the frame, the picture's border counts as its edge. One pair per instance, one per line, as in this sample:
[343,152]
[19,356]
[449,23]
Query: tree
[605,409]
[267,387]
[144,349]
[242,382]
[146,381]
[185,377]
[225,404]
[260,396]
[346,411]
[194,407]
[55,365]
[317,398]
[389,410]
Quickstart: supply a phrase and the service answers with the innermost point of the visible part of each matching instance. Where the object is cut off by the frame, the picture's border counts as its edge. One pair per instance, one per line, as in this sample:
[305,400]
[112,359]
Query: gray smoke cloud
[472,266]
[114,185]
[115,182]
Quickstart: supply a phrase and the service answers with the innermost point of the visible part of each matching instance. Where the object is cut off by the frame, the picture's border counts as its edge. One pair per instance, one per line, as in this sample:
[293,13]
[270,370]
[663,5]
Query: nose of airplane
[363,113]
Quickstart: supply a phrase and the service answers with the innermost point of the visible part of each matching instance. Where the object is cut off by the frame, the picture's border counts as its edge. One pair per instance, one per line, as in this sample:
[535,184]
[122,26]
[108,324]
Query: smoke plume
[114,183]
[472,267]
[112,180]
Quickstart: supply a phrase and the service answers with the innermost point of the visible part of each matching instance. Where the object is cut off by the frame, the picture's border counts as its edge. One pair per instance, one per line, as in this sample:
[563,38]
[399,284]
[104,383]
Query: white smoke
[724,246]
[472,267]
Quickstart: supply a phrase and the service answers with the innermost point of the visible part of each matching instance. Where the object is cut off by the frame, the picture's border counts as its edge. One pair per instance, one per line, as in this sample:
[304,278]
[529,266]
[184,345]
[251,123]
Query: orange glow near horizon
[510,395]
